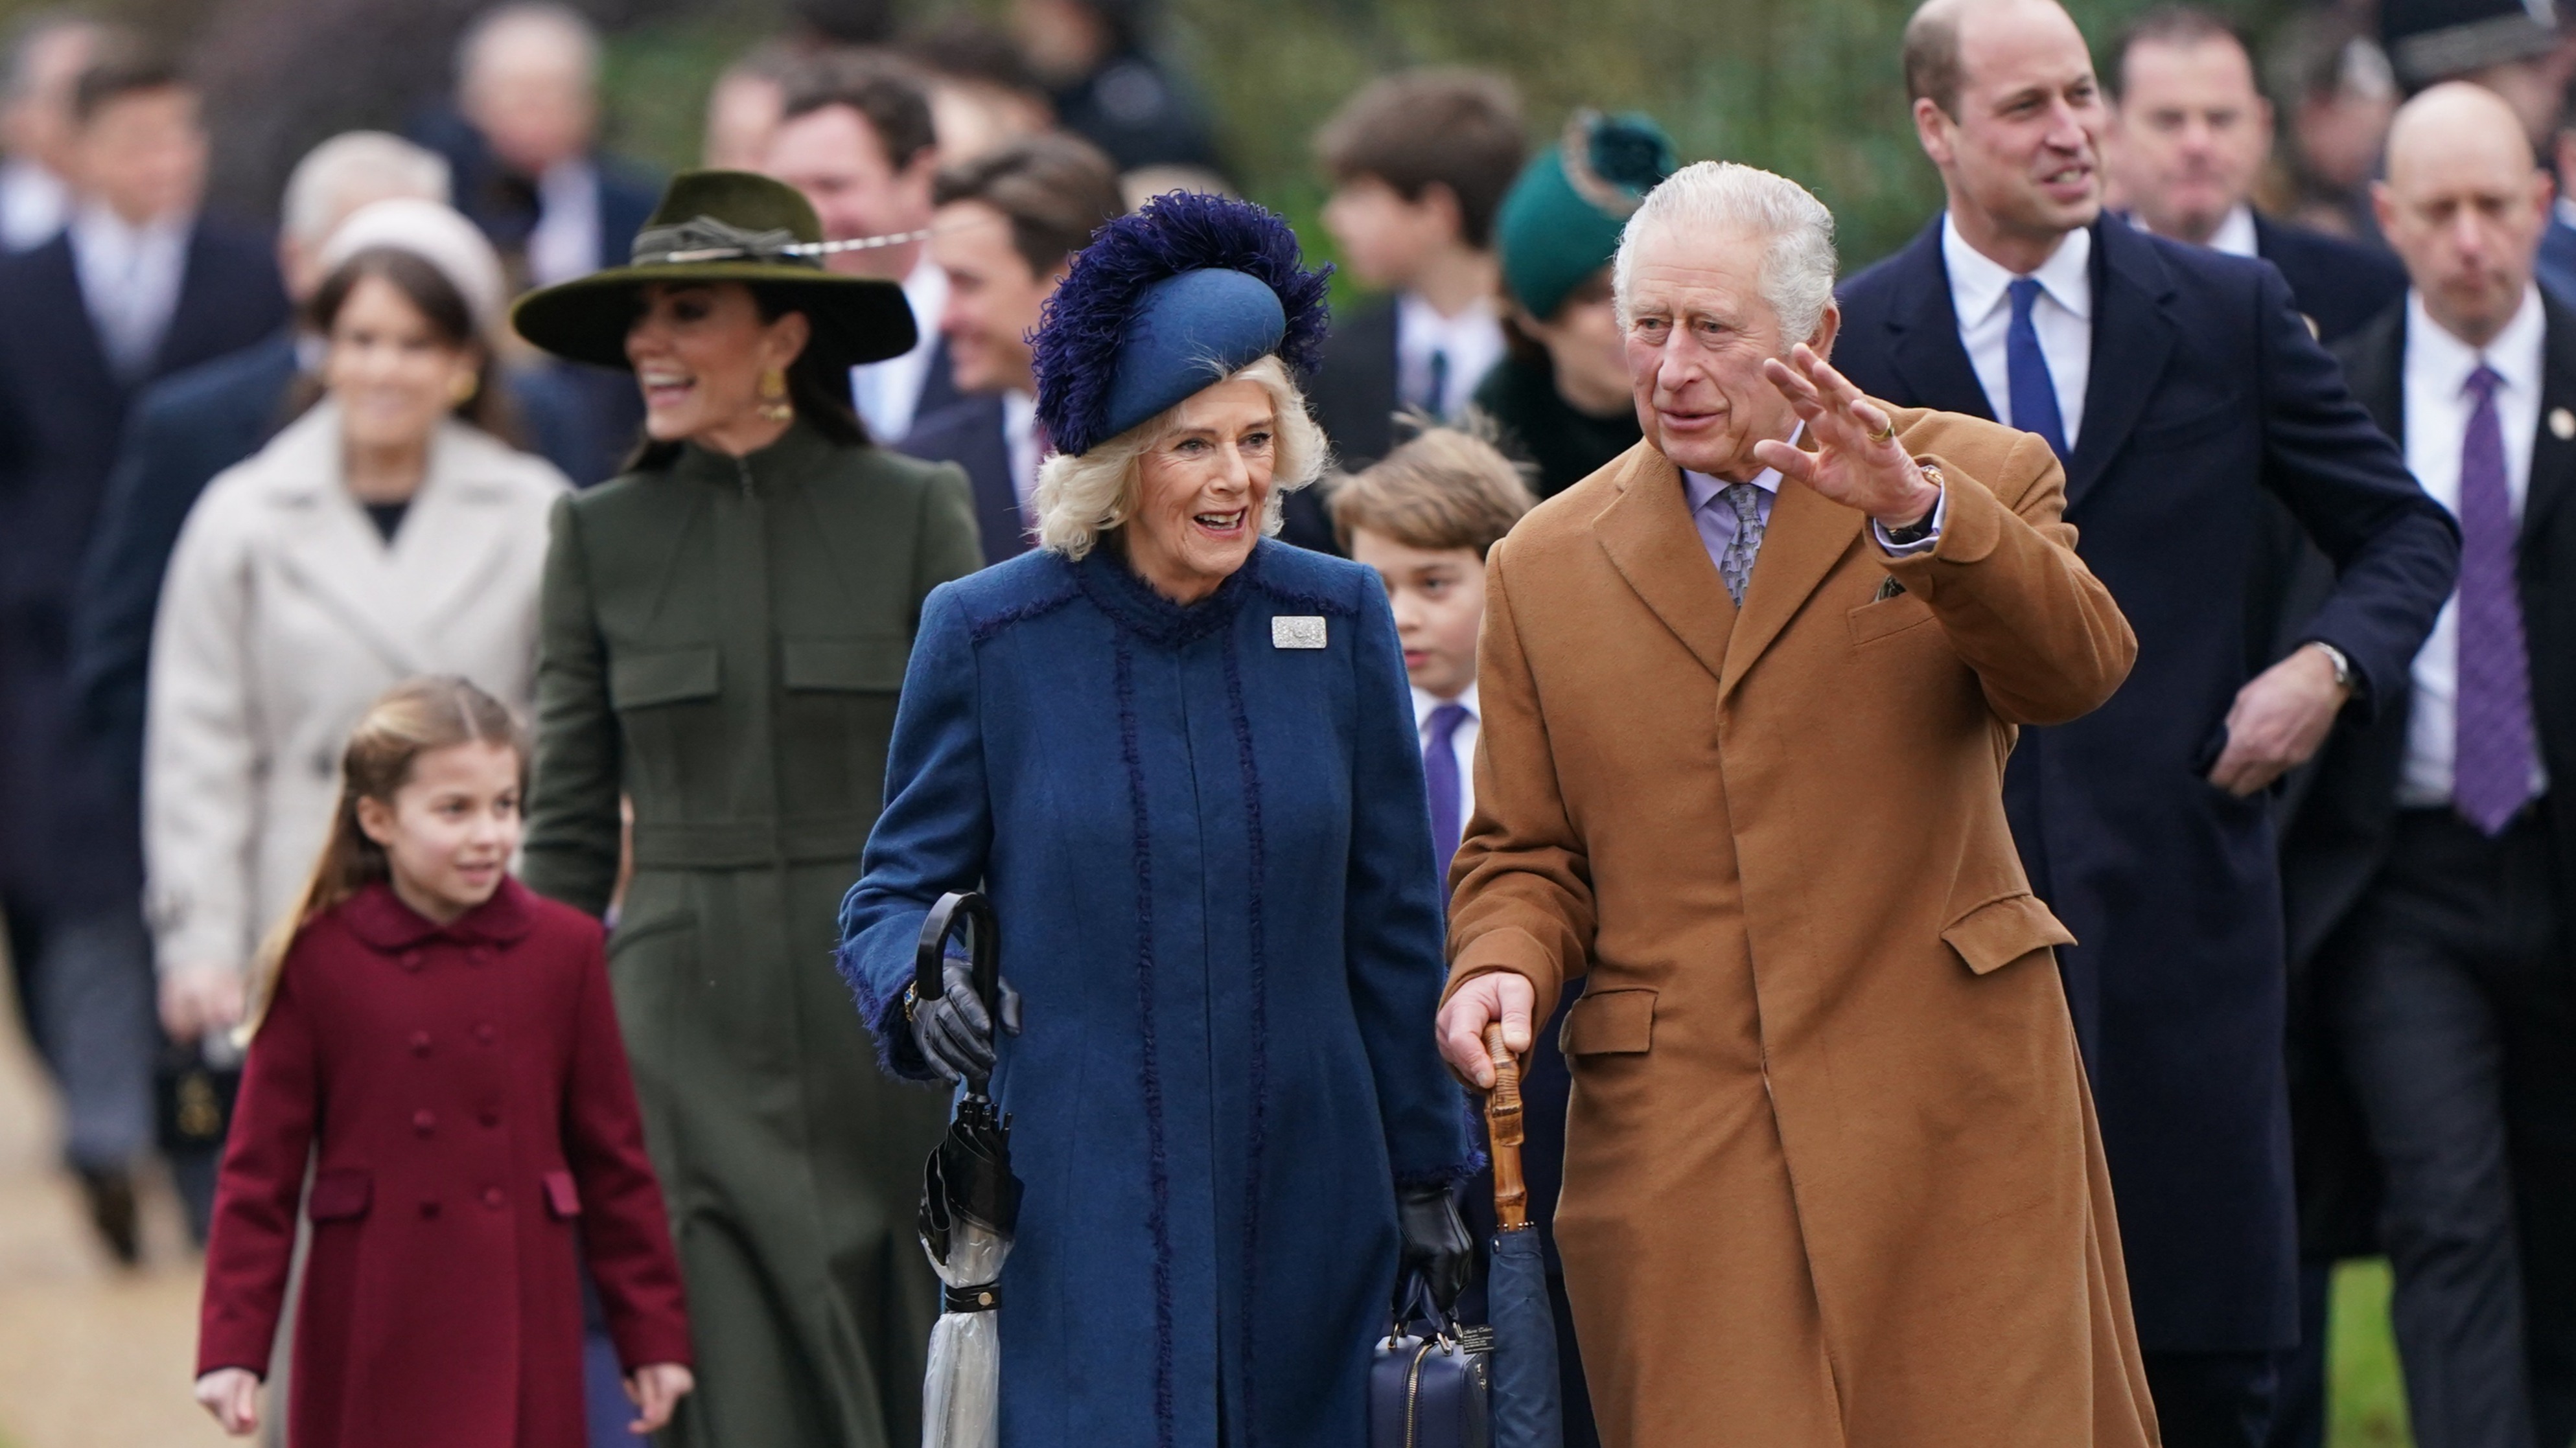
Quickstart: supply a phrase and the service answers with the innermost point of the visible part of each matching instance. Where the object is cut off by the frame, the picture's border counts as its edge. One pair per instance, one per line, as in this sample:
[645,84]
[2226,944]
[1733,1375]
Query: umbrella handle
[1503,1133]
[984,950]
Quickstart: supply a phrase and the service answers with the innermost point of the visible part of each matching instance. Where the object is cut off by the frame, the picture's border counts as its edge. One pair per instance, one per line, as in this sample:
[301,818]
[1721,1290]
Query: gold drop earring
[464,388]
[774,406]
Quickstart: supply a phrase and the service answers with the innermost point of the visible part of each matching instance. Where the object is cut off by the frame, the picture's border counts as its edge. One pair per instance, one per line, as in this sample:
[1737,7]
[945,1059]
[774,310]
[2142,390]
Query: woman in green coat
[724,630]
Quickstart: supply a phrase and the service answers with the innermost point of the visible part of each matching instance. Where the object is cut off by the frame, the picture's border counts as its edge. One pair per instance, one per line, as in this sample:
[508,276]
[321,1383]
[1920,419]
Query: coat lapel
[1808,534]
[1647,532]
[456,517]
[2553,455]
[80,358]
[2133,338]
[1925,343]
[326,544]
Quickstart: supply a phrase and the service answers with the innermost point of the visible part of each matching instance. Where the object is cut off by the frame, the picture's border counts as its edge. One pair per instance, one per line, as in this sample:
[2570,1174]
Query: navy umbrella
[970,1209]
[1526,1412]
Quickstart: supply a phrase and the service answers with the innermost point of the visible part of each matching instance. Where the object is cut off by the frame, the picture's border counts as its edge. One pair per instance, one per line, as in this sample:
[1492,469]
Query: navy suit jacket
[968,432]
[2557,264]
[63,836]
[2339,285]
[2207,391]
[2341,833]
[1355,400]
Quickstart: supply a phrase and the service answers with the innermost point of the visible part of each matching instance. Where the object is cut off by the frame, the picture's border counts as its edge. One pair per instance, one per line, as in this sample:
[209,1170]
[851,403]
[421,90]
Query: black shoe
[110,1191]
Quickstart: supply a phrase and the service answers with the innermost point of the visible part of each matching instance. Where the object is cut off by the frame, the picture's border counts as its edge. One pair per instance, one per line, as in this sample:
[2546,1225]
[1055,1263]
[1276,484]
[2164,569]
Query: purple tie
[1440,772]
[2494,744]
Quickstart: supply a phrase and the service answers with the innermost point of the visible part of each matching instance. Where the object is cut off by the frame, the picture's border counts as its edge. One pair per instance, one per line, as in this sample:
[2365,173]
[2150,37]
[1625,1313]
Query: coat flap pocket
[859,664]
[339,1195]
[2004,930]
[663,676]
[562,1197]
[1885,616]
[1609,1022]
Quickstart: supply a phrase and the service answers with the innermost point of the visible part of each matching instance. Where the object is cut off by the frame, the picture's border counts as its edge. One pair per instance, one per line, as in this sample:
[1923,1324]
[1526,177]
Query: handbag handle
[983,951]
[1503,1134]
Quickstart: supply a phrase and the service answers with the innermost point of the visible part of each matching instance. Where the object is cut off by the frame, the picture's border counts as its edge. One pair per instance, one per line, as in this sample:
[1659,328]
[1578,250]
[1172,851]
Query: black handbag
[1428,1379]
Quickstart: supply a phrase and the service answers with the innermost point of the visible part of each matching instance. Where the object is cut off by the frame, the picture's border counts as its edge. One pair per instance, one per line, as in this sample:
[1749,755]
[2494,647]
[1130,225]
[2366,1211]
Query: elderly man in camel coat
[1832,1176]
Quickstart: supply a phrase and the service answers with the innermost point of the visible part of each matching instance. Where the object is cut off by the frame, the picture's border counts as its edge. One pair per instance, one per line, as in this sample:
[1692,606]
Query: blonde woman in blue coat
[1180,758]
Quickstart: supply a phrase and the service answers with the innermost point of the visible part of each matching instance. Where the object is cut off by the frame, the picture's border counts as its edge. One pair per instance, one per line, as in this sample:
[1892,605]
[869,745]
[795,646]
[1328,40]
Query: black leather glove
[1436,1245]
[953,1032]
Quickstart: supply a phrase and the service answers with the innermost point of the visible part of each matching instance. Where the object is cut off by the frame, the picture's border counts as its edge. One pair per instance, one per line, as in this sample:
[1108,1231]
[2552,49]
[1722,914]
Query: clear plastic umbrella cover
[961,1392]
[970,1209]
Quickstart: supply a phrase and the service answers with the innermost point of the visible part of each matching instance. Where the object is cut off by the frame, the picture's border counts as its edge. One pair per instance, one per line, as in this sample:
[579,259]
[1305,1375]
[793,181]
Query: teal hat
[1560,223]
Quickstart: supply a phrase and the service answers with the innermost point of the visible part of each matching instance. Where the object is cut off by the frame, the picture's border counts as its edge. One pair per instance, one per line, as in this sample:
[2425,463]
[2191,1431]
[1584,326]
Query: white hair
[1721,201]
[1083,497]
[355,169]
[523,21]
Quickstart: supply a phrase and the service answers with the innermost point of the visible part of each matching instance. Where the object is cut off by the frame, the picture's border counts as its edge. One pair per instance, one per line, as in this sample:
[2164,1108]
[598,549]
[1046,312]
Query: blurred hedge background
[1806,87]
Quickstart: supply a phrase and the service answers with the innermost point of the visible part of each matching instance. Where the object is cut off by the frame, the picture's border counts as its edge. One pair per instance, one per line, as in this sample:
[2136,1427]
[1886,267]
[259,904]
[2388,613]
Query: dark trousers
[88,987]
[2212,1399]
[2449,996]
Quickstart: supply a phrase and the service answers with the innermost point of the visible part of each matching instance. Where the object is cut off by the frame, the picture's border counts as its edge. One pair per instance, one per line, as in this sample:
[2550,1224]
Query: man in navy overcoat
[2180,385]
[137,286]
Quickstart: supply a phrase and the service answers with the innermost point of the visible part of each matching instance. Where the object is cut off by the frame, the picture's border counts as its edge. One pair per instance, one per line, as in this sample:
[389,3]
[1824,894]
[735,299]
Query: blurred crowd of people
[191,621]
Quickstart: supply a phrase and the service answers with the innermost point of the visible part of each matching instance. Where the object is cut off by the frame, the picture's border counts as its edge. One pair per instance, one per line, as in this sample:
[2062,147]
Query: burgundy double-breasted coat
[464,1097]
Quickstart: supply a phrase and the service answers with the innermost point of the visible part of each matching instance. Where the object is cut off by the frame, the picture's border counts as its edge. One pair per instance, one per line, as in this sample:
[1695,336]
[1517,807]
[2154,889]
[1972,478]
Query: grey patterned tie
[1736,567]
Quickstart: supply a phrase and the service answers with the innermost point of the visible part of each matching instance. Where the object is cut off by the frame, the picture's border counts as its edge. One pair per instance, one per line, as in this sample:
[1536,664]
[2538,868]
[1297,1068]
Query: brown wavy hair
[408,721]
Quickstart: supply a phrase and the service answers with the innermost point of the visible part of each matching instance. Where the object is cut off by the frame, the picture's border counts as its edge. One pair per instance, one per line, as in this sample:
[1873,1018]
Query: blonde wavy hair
[1081,499]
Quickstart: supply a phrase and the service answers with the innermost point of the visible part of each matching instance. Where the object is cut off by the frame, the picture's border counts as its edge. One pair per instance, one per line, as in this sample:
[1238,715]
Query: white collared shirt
[2063,318]
[1462,743]
[564,243]
[2437,368]
[2236,235]
[1471,342]
[1020,437]
[129,280]
[888,393]
[34,203]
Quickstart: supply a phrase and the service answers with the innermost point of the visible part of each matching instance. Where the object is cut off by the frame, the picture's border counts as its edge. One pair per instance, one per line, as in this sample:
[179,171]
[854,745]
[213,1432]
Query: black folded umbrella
[970,1207]
[1525,1409]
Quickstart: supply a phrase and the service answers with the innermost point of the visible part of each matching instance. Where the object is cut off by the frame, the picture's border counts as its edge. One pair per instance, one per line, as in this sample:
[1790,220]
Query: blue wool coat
[1213,872]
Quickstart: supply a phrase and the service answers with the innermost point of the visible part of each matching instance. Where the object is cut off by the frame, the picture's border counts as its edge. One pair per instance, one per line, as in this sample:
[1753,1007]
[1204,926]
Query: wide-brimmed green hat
[724,226]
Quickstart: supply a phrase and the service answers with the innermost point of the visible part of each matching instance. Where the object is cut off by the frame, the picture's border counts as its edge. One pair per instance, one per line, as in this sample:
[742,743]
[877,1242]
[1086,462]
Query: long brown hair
[408,721]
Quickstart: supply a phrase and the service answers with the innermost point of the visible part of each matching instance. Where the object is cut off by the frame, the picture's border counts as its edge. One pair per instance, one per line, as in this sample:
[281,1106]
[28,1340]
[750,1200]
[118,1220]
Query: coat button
[491,1117]
[492,1198]
[428,1210]
[424,1121]
[411,960]
[479,954]
[486,1034]
[420,1043]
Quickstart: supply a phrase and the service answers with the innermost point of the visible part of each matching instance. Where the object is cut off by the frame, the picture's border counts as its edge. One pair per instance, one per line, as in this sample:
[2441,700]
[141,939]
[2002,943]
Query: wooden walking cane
[1503,1134]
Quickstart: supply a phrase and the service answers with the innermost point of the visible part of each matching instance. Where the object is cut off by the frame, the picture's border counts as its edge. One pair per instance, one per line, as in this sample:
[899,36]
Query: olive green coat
[722,643]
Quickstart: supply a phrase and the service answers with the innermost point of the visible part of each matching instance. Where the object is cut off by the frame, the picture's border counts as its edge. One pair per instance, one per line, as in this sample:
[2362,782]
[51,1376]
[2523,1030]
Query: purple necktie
[1440,772]
[2492,779]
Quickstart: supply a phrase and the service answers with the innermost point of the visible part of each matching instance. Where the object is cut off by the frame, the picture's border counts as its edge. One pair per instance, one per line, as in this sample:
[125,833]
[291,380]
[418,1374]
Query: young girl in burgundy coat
[441,1042]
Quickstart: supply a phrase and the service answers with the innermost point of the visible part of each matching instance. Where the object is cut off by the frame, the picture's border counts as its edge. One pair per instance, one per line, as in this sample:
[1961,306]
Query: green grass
[2368,1407]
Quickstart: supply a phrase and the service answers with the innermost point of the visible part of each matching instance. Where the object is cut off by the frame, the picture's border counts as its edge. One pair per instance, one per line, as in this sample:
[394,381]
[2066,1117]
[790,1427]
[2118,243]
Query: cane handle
[1503,1133]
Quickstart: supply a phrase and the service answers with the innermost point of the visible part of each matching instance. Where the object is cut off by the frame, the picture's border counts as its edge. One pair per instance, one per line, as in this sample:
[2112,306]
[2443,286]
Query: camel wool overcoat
[1832,1176]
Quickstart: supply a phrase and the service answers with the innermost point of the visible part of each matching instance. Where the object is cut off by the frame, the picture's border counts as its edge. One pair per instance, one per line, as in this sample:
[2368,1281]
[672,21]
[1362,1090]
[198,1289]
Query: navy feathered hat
[1164,301]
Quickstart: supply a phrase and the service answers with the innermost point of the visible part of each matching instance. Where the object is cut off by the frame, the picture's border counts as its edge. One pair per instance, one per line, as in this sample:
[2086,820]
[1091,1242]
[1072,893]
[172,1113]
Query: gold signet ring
[1886,433]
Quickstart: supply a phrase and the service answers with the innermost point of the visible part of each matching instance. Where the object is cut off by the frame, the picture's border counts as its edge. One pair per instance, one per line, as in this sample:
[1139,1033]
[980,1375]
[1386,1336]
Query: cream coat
[284,615]
[1832,1178]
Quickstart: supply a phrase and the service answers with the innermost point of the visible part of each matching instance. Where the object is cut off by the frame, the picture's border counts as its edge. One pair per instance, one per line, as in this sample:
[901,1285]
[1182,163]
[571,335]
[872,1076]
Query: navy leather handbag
[1428,1379]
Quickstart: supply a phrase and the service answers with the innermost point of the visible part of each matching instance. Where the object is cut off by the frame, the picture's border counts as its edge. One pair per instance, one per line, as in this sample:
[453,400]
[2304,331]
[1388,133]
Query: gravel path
[90,1356]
